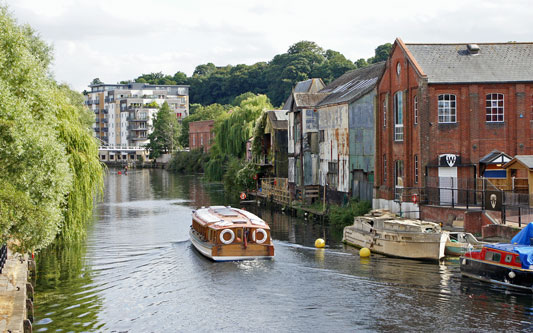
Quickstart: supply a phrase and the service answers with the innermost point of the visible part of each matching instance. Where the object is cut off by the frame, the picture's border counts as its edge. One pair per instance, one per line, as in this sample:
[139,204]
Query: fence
[276,188]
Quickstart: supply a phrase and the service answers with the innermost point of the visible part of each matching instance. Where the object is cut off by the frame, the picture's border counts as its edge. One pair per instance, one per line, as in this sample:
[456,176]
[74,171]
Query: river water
[137,272]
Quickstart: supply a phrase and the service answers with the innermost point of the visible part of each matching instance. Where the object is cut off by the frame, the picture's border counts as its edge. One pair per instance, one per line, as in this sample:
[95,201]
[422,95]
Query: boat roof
[506,247]
[219,217]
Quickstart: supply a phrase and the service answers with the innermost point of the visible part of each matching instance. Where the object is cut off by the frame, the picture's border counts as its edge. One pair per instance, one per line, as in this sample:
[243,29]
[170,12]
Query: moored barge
[227,234]
[509,265]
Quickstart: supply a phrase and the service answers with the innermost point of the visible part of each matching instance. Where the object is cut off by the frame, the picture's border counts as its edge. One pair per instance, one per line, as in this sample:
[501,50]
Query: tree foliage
[232,131]
[50,170]
[210,112]
[164,138]
[303,60]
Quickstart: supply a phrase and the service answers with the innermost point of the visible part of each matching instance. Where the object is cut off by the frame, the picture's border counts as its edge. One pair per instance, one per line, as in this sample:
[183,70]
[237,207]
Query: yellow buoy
[320,243]
[364,252]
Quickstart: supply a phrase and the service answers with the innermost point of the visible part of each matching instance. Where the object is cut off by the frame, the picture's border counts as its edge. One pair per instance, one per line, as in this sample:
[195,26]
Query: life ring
[230,240]
[261,231]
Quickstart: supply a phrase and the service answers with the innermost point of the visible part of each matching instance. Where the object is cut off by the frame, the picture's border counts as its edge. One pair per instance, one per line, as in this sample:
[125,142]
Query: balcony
[104,120]
[105,111]
[138,138]
[137,128]
[105,129]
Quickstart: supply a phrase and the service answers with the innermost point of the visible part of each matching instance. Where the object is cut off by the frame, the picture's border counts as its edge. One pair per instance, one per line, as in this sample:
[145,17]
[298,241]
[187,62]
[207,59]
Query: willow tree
[49,170]
[233,131]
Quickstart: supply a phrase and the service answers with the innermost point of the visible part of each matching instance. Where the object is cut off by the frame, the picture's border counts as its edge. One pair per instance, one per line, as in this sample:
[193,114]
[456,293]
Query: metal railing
[3,257]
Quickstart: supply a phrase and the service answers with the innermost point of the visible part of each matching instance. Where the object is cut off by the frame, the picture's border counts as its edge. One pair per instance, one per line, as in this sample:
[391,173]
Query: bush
[186,162]
[344,216]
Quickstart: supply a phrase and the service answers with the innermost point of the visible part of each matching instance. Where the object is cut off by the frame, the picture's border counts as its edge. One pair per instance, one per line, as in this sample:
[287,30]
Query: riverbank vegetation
[50,171]
[341,216]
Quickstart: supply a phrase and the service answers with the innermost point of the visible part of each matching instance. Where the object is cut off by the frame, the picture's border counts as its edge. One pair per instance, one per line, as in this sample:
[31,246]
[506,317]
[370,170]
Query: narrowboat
[227,234]
[509,265]
[458,243]
[384,233]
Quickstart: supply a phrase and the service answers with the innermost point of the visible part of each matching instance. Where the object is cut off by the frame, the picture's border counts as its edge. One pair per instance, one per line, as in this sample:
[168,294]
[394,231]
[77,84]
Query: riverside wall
[16,294]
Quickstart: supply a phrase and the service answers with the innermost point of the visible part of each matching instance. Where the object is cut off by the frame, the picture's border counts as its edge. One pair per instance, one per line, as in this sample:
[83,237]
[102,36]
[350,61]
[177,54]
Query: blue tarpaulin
[524,236]
[525,252]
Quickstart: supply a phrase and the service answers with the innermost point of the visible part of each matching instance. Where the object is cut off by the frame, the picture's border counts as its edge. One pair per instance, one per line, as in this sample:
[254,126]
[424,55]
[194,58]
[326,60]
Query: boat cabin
[502,254]
[226,225]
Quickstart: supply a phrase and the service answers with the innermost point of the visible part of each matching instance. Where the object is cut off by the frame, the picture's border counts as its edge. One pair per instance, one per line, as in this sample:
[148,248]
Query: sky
[118,40]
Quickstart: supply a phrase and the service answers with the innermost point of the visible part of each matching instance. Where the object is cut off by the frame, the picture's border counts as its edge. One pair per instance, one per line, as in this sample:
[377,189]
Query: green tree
[164,138]
[96,81]
[382,52]
[50,171]
[360,63]
[232,131]
[210,112]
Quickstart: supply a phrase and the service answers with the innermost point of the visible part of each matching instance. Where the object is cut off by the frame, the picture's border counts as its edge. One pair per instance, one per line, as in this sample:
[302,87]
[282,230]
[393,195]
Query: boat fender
[261,231]
[230,240]
[512,274]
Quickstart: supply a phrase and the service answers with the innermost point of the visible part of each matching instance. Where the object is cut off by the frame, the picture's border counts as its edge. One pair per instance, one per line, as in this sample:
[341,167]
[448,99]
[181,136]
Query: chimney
[473,48]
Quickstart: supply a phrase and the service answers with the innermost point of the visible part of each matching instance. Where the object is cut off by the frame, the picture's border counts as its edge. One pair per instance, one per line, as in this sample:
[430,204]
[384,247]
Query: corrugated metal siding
[362,133]
[292,171]
[334,122]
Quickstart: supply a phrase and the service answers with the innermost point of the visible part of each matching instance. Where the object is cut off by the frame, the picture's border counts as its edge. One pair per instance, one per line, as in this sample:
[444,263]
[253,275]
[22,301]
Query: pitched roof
[278,119]
[525,160]
[310,86]
[308,99]
[352,84]
[307,86]
[495,62]
[495,156]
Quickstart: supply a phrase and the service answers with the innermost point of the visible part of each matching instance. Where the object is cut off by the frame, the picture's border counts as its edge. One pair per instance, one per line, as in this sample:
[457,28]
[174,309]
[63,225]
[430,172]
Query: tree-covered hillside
[303,60]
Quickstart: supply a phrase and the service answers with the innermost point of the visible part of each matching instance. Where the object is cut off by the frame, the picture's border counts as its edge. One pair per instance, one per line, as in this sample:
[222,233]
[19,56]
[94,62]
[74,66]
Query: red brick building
[201,134]
[441,109]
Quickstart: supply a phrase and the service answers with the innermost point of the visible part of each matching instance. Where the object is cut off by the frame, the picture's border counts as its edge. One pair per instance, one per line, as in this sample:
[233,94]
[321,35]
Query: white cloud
[121,39]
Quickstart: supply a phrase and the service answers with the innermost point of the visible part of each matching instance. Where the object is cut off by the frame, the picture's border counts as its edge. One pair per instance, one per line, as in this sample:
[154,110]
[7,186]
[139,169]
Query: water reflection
[138,272]
[66,294]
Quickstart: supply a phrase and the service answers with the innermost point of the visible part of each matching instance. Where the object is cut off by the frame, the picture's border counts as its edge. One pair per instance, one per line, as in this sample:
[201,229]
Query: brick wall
[471,136]
[201,134]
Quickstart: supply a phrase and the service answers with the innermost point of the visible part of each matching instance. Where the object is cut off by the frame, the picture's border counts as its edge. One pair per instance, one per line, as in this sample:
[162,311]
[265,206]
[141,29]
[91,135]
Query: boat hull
[426,246]
[497,274]
[455,250]
[231,252]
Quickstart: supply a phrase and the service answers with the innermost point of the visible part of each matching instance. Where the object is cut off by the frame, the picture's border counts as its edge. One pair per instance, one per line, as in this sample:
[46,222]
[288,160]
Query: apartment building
[125,112]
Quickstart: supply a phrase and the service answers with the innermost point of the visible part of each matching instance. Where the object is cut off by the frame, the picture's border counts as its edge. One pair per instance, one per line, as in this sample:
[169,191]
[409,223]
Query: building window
[415,111]
[194,140]
[447,109]
[398,116]
[333,174]
[385,112]
[416,169]
[384,169]
[494,108]
[398,179]
[321,136]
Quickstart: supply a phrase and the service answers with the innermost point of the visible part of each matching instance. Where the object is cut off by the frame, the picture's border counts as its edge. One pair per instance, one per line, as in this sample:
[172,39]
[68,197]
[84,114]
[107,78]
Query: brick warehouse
[201,134]
[442,109]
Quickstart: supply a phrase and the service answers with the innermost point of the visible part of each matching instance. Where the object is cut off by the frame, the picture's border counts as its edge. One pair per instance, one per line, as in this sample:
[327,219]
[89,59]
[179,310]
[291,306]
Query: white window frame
[385,112]
[398,116]
[416,169]
[447,107]
[494,108]
[415,105]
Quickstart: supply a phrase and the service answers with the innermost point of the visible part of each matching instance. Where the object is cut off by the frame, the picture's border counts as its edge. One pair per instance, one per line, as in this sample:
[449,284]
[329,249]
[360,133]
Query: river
[137,272]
